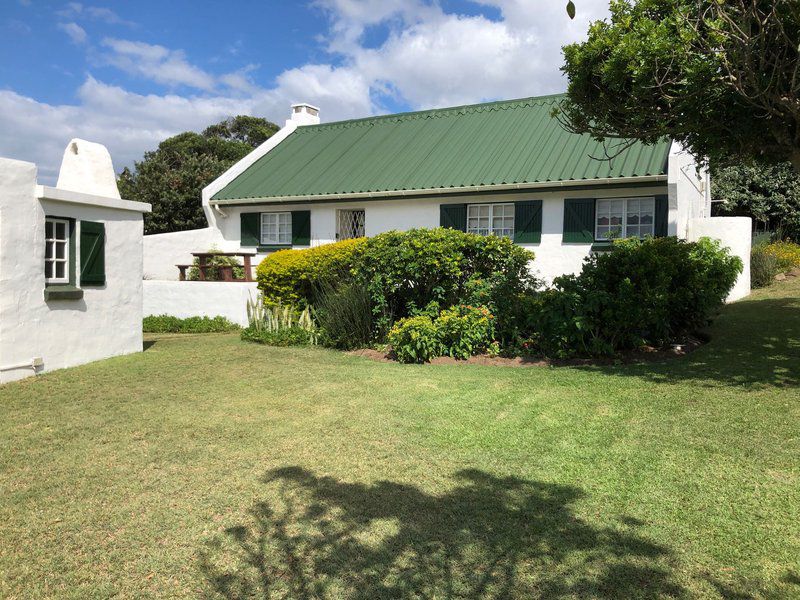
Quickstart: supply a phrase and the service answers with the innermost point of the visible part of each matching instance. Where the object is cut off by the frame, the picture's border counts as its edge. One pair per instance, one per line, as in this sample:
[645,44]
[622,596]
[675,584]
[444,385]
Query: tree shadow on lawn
[752,343]
[489,537]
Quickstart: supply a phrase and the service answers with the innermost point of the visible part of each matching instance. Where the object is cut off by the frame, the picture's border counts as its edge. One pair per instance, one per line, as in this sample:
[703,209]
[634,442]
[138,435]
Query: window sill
[273,247]
[602,246]
[62,292]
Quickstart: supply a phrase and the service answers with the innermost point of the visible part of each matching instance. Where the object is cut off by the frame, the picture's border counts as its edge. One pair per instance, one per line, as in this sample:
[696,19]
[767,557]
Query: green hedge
[170,324]
[407,271]
[639,293]
[289,277]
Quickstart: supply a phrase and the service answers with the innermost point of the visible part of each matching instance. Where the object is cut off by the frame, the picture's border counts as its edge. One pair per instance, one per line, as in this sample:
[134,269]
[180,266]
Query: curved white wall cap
[87,167]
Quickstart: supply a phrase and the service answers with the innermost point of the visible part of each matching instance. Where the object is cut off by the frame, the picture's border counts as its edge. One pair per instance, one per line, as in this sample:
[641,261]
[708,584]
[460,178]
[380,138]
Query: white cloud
[429,58]
[75,10]
[156,63]
[75,32]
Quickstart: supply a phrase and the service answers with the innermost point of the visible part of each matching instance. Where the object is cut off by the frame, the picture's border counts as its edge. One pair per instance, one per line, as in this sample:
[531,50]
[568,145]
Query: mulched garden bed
[644,354]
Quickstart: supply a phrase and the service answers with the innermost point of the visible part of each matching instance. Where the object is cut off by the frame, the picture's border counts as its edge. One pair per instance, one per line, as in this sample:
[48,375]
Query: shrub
[415,339]
[465,330]
[764,266]
[289,276]
[289,336]
[406,271]
[213,273]
[787,254]
[170,324]
[344,315]
[640,292]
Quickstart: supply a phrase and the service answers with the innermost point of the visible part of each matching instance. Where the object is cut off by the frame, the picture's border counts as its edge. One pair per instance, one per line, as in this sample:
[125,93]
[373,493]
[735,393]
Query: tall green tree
[720,76]
[172,177]
[770,194]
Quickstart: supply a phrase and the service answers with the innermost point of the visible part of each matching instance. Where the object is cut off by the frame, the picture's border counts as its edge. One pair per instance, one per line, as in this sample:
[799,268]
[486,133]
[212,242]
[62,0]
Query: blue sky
[129,74]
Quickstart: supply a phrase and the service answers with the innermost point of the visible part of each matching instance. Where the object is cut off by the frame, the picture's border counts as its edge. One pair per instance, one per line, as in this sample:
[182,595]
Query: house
[70,265]
[502,168]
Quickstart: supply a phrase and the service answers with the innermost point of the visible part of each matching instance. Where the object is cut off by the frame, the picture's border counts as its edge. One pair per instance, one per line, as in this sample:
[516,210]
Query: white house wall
[553,257]
[63,333]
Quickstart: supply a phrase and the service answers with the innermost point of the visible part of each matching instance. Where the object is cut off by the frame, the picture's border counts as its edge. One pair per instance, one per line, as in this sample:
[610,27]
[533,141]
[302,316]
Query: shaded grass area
[207,467]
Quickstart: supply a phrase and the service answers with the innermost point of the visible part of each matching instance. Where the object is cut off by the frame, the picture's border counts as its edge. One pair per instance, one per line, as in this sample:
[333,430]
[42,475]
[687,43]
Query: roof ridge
[444,111]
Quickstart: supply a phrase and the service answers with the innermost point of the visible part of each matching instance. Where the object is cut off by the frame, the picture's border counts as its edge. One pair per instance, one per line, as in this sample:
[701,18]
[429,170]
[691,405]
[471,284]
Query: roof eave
[395,194]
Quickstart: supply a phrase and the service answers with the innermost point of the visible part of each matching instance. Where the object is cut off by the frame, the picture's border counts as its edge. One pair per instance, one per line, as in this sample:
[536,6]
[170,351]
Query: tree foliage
[172,177]
[770,194]
[721,77]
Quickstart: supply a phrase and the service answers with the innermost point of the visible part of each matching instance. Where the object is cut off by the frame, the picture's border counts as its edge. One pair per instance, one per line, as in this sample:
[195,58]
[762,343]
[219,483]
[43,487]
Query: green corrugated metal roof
[508,142]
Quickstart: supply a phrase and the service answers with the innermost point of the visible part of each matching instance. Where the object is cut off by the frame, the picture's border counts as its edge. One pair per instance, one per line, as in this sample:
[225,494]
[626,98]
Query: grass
[208,467]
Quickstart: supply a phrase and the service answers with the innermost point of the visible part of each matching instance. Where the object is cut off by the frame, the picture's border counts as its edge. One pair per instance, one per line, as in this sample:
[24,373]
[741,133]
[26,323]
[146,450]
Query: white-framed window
[491,219]
[620,218]
[276,228]
[56,250]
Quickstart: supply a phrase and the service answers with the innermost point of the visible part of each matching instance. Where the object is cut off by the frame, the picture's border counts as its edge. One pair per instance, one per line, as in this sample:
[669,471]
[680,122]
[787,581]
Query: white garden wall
[162,251]
[58,333]
[199,299]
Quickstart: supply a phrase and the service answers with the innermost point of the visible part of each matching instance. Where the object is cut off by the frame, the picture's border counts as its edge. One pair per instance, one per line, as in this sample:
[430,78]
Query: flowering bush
[415,339]
[465,330]
[787,254]
[461,331]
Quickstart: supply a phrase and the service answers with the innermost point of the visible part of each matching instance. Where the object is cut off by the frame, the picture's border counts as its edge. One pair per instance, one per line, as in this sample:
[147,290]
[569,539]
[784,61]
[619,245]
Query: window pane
[48,229]
[61,230]
[48,250]
[633,219]
[61,249]
[61,269]
[483,210]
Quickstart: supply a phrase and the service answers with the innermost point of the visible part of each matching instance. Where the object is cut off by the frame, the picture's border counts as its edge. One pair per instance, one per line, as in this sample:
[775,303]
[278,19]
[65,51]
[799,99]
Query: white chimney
[304,114]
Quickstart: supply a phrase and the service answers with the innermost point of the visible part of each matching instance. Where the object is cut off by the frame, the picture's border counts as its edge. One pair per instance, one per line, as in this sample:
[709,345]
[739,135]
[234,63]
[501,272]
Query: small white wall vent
[305,114]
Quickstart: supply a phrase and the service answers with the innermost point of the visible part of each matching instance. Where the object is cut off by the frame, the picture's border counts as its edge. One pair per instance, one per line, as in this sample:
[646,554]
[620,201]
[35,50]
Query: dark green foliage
[344,315]
[289,336]
[647,292]
[769,194]
[719,77]
[763,267]
[252,131]
[406,271]
[172,177]
[170,324]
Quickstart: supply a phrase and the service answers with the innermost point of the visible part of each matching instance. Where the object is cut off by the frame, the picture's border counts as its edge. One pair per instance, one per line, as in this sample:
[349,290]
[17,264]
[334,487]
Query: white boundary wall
[199,299]
[38,334]
[162,251]
[734,233]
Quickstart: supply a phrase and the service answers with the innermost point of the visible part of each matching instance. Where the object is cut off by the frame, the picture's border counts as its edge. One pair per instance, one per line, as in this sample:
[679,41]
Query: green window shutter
[528,222]
[250,229]
[93,253]
[662,216]
[301,227]
[453,216]
[578,221]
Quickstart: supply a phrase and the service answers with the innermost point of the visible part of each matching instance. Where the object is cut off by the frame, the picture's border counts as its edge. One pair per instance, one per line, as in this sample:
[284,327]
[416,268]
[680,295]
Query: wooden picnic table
[225,271]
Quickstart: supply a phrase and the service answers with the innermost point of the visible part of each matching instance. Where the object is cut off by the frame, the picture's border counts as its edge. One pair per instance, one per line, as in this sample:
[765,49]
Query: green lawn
[210,467]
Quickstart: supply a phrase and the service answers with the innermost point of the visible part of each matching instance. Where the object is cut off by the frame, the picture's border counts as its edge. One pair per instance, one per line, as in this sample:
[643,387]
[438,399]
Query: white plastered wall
[162,251]
[199,299]
[62,333]
[553,257]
